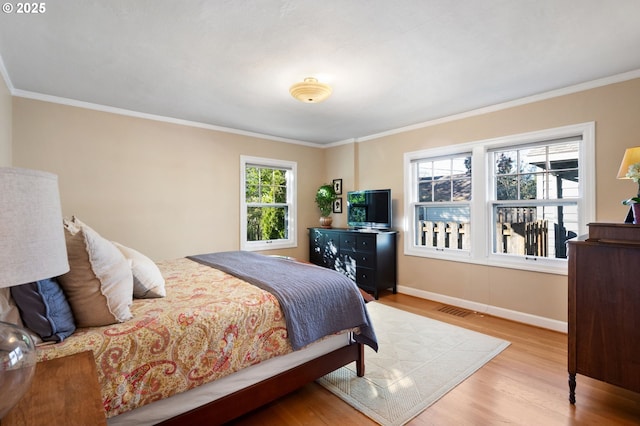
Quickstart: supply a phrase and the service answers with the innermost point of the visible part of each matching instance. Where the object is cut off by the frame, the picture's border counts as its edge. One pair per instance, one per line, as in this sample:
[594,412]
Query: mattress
[158,411]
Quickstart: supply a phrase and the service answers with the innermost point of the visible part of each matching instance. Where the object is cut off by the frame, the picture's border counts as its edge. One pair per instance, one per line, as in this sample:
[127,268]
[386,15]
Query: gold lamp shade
[310,91]
[631,156]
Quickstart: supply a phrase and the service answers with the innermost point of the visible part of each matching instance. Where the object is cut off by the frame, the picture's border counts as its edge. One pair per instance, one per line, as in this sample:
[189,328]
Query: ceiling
[392,64]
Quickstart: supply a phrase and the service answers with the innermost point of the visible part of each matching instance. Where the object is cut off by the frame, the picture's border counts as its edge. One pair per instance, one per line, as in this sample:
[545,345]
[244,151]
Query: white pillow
[99,285]
[8,308]
[148,281]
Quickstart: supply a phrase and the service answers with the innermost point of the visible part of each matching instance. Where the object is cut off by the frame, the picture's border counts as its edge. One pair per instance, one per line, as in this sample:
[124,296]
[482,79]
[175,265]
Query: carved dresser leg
[572,388]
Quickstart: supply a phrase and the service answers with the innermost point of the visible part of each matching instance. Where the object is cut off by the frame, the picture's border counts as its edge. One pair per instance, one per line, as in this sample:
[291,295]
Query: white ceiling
[391,64]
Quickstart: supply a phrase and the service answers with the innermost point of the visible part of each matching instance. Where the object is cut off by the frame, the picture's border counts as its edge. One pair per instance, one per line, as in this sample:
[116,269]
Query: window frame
[482,235]
[454,252]
[291,203]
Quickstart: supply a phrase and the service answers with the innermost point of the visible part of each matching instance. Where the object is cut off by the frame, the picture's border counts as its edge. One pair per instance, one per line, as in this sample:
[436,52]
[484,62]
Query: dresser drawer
[364,259]
[358,242]
[366,243]
[366,277]
[348,242]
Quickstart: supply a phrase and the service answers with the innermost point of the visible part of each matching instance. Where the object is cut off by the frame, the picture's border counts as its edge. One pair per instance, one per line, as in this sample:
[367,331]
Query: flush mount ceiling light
[310,91]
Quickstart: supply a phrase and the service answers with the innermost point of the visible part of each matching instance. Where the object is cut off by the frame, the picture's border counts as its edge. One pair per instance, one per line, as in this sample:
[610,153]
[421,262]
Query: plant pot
[636,213]
[325,221]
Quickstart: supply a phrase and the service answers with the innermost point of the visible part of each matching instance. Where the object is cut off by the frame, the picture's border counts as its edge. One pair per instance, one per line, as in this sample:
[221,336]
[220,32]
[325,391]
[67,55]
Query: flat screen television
[369,209]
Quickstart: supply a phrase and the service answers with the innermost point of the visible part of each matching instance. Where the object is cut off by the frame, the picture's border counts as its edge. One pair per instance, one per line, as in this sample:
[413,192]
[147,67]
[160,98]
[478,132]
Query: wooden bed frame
[248,399]
[245,400]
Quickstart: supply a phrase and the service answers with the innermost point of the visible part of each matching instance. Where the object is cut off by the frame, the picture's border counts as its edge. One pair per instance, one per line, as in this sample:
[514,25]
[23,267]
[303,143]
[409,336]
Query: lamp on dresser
[32,248]
[630,169]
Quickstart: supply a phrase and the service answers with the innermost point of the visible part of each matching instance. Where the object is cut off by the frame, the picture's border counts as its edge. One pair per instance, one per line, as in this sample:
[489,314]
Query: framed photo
[337,186]
[337,205]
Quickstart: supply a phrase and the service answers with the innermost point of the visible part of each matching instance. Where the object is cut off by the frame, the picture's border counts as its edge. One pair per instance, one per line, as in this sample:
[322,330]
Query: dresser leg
[572,388]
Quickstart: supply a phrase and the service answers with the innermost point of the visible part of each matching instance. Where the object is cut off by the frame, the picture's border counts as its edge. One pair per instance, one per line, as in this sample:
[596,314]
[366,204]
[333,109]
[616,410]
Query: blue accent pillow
[44,309]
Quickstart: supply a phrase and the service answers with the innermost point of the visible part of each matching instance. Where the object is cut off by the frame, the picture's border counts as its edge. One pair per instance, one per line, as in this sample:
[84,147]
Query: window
[535,198]
[512,201]
[267,204]
[442,209]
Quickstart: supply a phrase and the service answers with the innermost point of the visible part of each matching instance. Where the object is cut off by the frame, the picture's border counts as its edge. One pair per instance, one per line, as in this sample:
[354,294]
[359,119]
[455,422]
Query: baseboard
[496,311]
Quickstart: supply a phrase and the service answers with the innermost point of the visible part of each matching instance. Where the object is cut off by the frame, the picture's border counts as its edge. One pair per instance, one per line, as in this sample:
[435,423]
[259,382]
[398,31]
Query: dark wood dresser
[604,306]
[368,258]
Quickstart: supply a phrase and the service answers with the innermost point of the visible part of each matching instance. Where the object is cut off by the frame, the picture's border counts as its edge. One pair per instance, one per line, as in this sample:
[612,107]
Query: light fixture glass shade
[631,156]
[310,91]
[33,248]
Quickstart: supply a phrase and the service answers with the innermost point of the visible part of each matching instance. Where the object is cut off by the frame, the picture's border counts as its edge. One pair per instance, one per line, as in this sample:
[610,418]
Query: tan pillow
[99,285]
[148,281]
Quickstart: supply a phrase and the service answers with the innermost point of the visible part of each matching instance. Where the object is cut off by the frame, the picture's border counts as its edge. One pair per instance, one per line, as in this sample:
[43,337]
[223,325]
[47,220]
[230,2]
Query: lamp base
[17,365]
[633,215]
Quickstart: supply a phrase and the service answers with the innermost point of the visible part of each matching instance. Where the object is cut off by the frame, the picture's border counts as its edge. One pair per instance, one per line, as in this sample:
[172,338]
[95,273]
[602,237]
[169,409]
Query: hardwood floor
[525,385]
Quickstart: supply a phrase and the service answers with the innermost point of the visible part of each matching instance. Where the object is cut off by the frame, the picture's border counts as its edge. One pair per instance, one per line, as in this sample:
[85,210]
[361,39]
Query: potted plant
[634,202]
[325,196]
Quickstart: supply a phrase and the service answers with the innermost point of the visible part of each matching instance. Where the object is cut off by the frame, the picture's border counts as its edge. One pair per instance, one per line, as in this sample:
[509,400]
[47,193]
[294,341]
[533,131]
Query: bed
[215,345]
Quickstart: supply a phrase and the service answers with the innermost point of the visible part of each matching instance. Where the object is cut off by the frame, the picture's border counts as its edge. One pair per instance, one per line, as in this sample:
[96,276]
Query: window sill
[267,245]
[533,264]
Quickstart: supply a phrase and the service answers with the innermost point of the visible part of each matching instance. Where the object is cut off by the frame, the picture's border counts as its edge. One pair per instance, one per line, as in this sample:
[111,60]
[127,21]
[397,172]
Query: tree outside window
[268,203]
[536,193]
[266,195]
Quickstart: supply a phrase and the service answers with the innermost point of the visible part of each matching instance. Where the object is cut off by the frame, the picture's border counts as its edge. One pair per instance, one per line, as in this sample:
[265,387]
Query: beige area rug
[419,361]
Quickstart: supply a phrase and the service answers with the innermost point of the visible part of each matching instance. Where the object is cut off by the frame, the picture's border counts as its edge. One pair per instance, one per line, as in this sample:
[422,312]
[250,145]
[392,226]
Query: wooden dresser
[604,306]
[368,258]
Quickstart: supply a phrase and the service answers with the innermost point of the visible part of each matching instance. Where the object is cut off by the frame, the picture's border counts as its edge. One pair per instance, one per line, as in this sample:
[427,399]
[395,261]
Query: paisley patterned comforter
[210,325]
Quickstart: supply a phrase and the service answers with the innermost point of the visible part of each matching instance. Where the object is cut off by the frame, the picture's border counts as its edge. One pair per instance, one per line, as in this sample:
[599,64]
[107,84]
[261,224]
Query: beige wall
[5,124]
[167,190]
[616,111]
[172,190]
[341,165]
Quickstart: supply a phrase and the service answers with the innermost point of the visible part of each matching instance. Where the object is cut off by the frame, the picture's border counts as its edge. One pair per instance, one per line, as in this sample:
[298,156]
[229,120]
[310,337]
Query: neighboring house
[172,190]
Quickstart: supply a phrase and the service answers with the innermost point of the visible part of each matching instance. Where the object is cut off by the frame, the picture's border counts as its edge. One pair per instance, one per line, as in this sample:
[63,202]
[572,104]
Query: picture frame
[337,186]
[337,205]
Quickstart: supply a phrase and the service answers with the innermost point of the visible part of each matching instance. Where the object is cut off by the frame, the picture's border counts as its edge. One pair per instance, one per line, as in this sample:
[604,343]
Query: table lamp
[631,157]
[32,248]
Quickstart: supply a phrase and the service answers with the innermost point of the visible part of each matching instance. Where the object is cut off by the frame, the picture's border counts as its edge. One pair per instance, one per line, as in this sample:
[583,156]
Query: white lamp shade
[31,232]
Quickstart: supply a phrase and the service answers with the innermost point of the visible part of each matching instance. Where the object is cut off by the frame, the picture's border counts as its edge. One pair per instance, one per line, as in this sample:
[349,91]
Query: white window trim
[481,237]
[292,199]
[451,253]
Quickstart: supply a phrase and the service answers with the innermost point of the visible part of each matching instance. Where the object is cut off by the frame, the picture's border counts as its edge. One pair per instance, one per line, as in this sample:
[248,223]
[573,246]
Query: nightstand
[64,391]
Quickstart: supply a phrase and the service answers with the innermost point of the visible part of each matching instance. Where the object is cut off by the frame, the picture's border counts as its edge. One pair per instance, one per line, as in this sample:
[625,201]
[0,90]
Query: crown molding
[618,78]
[480,111]
[5,76]
[120,111]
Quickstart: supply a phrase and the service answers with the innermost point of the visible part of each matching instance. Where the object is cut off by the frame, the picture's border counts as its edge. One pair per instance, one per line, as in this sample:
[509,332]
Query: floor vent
[452,310]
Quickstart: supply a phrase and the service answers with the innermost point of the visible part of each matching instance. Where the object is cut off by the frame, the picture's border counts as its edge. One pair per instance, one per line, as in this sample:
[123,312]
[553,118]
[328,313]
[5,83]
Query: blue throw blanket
[316,301]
